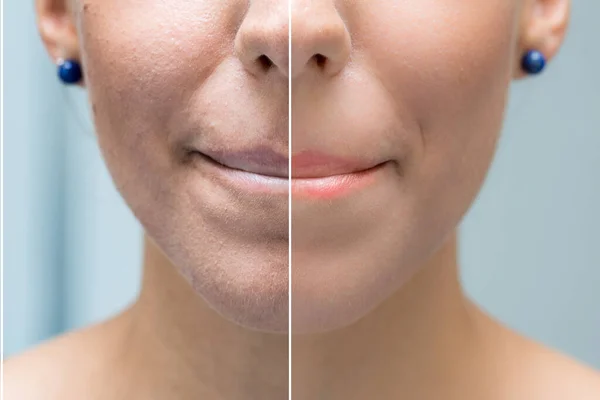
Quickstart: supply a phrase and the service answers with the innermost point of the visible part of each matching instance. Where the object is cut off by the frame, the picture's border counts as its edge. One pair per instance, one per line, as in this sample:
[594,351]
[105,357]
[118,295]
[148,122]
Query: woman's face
[170,78]
[419,84]
[417,87]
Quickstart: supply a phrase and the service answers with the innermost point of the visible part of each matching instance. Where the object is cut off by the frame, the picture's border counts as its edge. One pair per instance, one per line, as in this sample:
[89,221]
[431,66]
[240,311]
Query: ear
[543,25]
[56,25]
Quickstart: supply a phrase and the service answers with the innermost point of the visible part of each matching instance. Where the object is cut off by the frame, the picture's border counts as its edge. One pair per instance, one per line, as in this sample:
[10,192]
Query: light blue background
[530,245]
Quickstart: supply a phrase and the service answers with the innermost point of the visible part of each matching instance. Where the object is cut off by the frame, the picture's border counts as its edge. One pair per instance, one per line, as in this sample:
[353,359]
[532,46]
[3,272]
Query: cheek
[449,64]
[440,56]
[153,45]
[144,59]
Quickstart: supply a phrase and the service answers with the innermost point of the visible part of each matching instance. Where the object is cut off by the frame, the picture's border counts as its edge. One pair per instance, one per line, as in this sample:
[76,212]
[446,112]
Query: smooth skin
[378,311]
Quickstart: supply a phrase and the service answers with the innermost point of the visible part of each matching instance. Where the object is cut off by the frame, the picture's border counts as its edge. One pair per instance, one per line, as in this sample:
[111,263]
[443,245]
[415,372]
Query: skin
[380,318]
[436,75]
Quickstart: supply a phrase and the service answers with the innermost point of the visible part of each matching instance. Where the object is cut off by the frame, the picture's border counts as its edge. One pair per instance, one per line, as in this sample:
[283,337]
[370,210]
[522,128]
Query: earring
[69,71]
[533,62]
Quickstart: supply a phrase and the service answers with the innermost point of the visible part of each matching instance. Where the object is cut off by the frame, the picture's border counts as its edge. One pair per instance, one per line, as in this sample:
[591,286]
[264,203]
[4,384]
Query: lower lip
[331,187]
[324,188]
[244,180]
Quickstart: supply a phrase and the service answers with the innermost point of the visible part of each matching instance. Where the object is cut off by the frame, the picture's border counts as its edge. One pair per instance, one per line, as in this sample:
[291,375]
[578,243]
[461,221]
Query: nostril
[265,62]
[320,59]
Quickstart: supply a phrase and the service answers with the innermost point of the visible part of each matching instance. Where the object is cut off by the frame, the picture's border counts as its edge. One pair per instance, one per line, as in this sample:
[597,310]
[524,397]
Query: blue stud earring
[69,71]
[533,62]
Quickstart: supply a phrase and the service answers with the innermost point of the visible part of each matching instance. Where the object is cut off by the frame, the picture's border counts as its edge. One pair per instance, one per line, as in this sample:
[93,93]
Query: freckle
[86,7]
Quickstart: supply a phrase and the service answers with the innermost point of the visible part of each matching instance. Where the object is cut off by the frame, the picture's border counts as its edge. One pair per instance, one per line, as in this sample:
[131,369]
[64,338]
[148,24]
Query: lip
[309,164]
[321,176]
[334,186]
[241,179]
[314,175]
[260,160]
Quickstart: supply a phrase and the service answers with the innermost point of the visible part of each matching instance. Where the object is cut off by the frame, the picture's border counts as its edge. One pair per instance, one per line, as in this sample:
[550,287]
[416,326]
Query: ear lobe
[57,30]
[543,28]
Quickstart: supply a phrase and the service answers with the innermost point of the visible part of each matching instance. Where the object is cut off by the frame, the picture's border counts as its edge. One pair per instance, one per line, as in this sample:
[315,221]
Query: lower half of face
[196,145]
[231,245]
[387,154]
[416,109]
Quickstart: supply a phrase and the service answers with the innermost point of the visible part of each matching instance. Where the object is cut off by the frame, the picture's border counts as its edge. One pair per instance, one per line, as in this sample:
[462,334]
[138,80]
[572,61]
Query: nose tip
[320,40]
[262,41]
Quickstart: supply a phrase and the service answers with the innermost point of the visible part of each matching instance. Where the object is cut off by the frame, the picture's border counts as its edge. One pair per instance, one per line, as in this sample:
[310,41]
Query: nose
[320,40]
[262,41]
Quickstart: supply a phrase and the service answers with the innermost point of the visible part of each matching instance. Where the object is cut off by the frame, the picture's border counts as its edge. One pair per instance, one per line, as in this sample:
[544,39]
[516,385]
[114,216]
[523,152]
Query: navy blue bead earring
[69,72]
[533,62]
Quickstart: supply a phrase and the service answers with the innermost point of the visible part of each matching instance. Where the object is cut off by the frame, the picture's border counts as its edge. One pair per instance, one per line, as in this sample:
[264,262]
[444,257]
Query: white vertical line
[290,199]
[2,201]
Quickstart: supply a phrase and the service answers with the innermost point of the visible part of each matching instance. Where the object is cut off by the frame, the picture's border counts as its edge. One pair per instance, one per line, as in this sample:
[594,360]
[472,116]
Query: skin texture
[176,77]
[378,311]
[436,75]
[423,86]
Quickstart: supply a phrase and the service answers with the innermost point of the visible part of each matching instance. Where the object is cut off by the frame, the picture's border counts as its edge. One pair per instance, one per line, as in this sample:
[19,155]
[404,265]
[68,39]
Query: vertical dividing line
[290,199]
[2,198]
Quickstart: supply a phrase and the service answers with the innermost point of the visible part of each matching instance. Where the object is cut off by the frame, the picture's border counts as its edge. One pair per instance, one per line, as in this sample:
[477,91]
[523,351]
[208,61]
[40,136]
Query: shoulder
[550,375]
[571,379]
[530,370]
[64,368]
[39,373]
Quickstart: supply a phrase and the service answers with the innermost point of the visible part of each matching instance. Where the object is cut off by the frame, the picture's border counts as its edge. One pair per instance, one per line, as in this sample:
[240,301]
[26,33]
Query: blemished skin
[396,107]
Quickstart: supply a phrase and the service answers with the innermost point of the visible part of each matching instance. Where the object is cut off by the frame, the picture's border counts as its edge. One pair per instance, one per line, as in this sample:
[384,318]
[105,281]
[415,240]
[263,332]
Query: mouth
[321,176]
[245,171]
[261,160]
[314,175]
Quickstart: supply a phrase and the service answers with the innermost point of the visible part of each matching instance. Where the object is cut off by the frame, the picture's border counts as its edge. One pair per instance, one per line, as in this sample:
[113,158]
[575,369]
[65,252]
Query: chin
[321,307]
[246,287]
[313,315]
[233,254]
[251,305]
[335,286]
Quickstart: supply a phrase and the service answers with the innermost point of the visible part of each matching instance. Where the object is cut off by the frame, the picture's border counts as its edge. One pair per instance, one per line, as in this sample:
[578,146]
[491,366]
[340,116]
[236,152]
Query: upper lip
[260,160]
[307,164]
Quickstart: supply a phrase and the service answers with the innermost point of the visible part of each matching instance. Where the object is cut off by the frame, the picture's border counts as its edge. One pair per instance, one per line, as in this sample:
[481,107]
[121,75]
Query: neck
[183,349]
[423,342]
[420,343]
